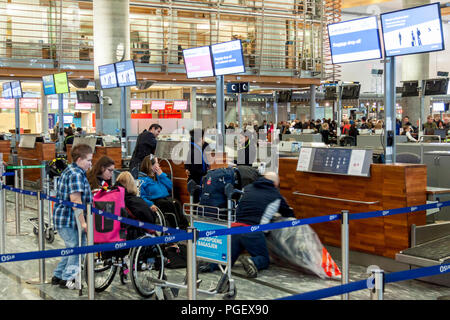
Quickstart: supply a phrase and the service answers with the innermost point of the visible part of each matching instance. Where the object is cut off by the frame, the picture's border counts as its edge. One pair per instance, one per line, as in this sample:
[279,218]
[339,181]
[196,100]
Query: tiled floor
[17,279]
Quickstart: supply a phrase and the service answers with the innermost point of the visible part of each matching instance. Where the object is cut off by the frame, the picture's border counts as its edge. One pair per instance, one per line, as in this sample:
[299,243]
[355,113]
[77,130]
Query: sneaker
[55,280]
[69,284]
[249,267]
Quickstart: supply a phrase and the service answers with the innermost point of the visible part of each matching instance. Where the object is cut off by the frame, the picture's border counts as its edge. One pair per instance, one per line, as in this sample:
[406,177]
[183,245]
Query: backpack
[112,201]
[176,256]
[213,186]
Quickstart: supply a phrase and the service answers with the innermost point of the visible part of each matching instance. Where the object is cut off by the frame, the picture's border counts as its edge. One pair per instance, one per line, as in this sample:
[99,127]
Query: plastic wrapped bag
[301,247]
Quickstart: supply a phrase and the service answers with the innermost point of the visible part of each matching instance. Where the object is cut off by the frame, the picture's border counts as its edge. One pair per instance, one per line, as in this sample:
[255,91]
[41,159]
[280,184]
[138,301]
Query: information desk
[40,152]
[5,148]
[388,186]
[114,153]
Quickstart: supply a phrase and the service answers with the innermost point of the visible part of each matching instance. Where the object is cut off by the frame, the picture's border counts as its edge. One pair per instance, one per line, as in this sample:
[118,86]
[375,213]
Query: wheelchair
[142,263]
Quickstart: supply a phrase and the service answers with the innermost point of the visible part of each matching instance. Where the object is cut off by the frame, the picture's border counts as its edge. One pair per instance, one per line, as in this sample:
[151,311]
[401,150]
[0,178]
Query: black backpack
[176,256]
[213,186]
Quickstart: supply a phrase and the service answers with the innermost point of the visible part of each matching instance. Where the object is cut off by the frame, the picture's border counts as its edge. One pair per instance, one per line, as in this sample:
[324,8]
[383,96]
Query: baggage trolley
[208,218]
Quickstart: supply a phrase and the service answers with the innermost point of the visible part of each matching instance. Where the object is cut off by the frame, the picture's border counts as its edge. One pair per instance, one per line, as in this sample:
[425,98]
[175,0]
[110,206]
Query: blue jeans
[68,268]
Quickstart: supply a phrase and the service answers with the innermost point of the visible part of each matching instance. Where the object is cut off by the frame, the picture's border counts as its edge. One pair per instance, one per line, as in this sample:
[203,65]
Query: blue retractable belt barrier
[8,173]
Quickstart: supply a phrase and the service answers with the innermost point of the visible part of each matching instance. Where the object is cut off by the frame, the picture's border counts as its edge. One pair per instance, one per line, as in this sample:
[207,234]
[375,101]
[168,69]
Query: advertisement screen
[61,82]
[16,89]
[49,85]
[354,40]
[126,74]
[228,57]
[136,104]
[438,106]
[197,62]
[158,105]
[414,30]
[107,76]
[180,105]
[7,92]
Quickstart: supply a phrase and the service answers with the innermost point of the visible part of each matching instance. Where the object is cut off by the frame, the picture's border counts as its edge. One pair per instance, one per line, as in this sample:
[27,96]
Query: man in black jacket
[196,164]
[145,145]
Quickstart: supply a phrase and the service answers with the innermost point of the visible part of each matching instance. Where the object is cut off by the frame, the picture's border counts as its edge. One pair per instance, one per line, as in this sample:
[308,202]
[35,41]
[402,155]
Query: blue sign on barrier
[212,248]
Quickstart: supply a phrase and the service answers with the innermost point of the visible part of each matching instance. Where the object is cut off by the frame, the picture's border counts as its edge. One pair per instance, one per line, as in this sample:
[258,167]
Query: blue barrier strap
[8,173]
[137,223]
[66,203]
[95,248]
[268,226]
[417,273]
[30,193]
[329,292]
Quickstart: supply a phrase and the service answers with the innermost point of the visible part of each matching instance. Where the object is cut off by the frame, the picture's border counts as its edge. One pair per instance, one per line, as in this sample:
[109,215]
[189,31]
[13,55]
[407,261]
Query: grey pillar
[111,44]
[44,111]
[194,104]
[220,106]
[61,120]
[389,109]
[312,102]
[17,116]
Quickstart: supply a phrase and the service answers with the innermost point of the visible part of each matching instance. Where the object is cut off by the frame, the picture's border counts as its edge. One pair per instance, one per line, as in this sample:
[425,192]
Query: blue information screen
[7,92]
[228,57]
[332,160]
[16,89]
[107,76]
[49,84]
[354,40]
[414,30]
[126,74]
[212,248]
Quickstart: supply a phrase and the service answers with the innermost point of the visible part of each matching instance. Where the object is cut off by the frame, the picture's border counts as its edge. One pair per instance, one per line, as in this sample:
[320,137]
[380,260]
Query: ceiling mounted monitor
[354,40]
[7,92]
[126,73]
[228,58]
[285,96]
[436,87]
[330,93]
[350,91]
[197,62]
[410,89]
[413,30]
[87,96]
[16,89]
[107,76]
[49,85]
[61,82]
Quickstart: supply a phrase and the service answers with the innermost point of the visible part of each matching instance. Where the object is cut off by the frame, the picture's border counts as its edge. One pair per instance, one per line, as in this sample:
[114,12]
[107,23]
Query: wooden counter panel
[393,186]
[5,148]
[41,152]
[114,153]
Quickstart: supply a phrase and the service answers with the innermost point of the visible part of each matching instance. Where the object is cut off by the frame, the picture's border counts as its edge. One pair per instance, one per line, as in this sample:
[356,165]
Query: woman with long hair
[100,174]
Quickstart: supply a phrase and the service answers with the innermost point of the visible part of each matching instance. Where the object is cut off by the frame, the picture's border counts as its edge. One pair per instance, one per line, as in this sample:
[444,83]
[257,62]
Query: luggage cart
[208,218]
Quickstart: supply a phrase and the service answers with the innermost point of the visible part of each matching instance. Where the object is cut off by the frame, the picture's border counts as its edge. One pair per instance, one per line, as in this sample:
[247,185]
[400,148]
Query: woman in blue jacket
[156,188]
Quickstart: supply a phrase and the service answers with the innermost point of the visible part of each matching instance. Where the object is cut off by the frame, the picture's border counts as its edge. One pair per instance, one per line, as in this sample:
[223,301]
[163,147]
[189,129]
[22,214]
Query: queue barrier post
[345,251]
[16,195]
[41,236]
[2,210]
[90,256]
[22,178]
[191,267]
[377,292]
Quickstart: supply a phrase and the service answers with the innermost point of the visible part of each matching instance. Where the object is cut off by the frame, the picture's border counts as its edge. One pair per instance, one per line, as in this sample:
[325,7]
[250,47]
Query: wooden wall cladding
[114,153]
[390,186]
[5,148]
[41,152]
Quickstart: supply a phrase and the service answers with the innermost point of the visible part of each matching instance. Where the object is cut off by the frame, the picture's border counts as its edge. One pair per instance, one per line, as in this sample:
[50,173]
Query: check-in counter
[40,152]
[5,149]
[303,137]
[375,141]
[114,153]
[389,186]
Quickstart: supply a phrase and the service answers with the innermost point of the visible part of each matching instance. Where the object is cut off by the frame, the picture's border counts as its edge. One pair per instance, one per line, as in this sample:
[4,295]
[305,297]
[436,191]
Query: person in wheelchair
[155,189]
[136,206]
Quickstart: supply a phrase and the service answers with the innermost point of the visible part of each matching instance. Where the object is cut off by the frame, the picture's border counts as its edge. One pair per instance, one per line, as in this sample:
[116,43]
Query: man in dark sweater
[145,145]
[259,203]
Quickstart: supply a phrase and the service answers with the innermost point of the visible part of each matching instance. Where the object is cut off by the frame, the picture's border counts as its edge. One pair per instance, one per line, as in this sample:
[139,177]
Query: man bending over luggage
[73,186]
[260,201]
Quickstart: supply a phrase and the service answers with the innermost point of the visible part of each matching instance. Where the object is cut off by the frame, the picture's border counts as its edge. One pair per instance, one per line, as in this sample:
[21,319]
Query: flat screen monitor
[88,96]
[412,30]
[436,87]
[354,40]
[410,89]
[180,105]
[350,91]
[197,62]
[61,82]
[126,73]
[7,92]
[228,57]
[438,106]
[330,93]
[158,105]
[107,76]
[68,119]
[285,96]
[16,89]
[49,85]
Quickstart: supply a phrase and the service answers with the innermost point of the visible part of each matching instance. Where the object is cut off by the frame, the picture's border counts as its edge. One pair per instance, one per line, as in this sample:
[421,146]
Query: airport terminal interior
[346,101]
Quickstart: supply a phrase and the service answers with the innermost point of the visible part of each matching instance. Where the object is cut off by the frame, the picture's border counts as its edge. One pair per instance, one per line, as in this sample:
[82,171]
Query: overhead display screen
[16,89]
[197,62]
[107,76]
[354,40]
[61,82]
[126,74]
[49,85]
[413,30]
[7,92]
[228,57]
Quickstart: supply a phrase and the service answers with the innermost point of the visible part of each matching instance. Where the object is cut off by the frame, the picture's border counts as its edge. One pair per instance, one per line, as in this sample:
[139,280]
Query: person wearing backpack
[73,186]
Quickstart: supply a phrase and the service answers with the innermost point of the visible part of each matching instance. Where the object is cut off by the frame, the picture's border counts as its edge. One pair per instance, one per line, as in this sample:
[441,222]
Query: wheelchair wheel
[104,271]
[146,263]
[160,220]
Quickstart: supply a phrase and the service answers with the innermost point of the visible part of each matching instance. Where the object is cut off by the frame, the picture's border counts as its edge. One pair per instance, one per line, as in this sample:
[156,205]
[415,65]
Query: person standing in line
[73,186]
[145,145]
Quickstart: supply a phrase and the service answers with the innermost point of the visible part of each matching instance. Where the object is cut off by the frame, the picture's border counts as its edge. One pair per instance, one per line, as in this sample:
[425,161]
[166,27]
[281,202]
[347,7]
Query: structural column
[312,99]
[111,44]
